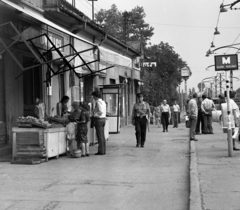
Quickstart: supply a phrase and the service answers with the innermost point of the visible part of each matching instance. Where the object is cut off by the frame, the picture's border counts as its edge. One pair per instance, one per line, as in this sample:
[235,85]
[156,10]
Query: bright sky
[188,26]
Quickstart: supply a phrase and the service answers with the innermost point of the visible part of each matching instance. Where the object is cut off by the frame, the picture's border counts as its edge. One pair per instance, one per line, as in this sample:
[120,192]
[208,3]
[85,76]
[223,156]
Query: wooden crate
[30,138]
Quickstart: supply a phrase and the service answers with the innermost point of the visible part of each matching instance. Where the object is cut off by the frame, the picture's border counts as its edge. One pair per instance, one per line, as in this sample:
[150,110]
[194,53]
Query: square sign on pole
[226,62]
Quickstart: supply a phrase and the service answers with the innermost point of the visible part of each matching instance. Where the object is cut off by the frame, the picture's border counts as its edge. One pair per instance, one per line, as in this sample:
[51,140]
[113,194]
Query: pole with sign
[227,63]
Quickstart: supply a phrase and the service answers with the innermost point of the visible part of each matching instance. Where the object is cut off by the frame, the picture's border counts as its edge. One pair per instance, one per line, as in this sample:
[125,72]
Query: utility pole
[92,8]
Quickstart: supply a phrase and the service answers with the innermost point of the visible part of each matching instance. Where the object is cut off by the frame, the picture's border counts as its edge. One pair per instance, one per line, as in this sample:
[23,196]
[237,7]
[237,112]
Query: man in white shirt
[176,110]
[207,106]
[166,115]
[99,114]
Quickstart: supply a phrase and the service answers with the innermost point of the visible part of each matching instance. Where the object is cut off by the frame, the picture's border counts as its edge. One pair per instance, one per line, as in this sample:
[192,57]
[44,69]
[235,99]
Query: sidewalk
[215,177]
[155,177]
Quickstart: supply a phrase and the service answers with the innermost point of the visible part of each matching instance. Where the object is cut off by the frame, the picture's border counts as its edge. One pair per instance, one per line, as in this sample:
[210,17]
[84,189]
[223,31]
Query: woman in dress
[82,128]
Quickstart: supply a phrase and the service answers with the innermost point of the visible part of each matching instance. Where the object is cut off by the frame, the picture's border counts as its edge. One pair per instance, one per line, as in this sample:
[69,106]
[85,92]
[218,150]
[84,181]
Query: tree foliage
[125,26]
[161,82]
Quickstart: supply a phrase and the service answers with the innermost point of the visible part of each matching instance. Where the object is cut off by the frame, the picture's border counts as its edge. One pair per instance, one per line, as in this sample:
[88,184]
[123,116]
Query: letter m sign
[226,62]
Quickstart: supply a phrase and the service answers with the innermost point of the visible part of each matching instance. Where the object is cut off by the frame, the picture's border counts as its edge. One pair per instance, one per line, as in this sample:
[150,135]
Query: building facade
[50,49]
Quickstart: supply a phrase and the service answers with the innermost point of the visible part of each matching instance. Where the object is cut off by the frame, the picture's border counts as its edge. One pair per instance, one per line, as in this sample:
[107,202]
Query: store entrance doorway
[32,86]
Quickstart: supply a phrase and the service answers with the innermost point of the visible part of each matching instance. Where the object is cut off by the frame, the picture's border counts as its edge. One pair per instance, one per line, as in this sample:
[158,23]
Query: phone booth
[111,95]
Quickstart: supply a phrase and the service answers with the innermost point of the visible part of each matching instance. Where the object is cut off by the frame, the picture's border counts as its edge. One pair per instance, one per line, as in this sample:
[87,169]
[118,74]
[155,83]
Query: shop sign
[56,39]
[226,62]
[149,64]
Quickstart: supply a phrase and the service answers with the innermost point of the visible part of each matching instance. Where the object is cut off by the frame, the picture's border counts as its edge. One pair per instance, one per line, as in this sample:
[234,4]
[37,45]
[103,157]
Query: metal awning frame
[41,57]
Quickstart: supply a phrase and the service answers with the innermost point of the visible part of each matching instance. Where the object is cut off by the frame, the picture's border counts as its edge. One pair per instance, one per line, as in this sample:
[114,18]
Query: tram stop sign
[226,62]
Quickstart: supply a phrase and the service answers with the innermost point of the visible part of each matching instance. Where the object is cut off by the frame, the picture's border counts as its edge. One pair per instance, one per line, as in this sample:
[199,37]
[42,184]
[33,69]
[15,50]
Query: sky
[188,26]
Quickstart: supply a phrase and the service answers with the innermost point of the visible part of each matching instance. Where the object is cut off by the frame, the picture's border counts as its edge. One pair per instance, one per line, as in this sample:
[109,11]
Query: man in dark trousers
[140,114]
[99,114]
[199,117]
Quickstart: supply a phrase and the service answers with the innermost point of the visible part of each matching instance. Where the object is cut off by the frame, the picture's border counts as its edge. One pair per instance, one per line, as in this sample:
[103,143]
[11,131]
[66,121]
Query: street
[154,177]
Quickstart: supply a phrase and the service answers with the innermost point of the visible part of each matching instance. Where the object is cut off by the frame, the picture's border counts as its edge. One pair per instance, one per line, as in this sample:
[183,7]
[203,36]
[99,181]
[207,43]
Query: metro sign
[226,62]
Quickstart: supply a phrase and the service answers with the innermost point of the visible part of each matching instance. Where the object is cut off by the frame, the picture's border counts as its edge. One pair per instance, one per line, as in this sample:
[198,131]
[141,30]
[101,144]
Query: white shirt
[100,109]
[176,108]
[207,103]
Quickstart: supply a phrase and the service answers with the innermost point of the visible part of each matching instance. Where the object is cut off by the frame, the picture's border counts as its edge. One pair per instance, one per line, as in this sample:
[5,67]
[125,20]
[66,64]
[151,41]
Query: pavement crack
[51,205]
[49,185]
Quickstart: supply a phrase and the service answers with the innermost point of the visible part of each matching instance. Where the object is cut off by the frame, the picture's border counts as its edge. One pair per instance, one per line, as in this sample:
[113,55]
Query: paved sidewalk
[218,174]
[152,178]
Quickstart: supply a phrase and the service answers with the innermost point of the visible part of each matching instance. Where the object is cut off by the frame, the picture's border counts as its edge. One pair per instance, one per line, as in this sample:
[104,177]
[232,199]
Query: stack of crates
[30,148]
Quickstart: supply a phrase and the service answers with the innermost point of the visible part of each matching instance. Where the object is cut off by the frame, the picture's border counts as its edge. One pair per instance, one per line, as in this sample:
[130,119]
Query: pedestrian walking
[207,107]
[192,114]
[140,113]
[200,122]
[176,110]
[166,115]
[99,117]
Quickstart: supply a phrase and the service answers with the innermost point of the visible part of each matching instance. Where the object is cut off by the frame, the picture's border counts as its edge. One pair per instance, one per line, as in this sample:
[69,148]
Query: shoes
[137,145]
[163,130]
[87,155]
[236,149]
[98,153]
[142,145]
[193,139]
[82,155]
[167,130]
[211,133]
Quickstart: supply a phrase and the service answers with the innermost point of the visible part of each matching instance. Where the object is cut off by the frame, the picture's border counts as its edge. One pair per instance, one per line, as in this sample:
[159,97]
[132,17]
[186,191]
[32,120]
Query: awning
[46,57]
[42,19]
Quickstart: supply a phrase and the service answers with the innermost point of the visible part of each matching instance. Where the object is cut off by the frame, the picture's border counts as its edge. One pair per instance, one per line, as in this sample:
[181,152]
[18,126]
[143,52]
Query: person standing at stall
[82,129]
[166,115]
[62,107]
[99,117]
[200,122]
[140,114]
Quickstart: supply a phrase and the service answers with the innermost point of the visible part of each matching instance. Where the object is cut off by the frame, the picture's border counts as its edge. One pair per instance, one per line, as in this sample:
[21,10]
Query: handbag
[187,122]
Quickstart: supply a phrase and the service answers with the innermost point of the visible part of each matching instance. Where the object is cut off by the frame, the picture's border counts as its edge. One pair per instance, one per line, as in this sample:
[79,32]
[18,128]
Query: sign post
[227,63]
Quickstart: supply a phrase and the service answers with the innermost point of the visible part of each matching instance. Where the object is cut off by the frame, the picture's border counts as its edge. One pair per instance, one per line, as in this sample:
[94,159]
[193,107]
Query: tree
[162,81]
[125,26]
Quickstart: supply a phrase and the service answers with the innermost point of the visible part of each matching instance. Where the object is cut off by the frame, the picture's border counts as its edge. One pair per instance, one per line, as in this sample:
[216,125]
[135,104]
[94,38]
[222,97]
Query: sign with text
[226,62]
[149,64]
[185,72]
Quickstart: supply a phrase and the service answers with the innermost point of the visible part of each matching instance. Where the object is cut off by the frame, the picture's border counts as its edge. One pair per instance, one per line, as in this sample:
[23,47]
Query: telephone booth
[111,95]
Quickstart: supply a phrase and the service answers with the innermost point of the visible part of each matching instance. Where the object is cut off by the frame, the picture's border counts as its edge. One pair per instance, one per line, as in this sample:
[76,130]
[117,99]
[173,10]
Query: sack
[187,122]
[92,123]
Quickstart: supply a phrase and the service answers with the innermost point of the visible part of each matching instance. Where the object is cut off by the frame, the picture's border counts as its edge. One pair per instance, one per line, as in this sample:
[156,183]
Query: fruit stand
[35,141]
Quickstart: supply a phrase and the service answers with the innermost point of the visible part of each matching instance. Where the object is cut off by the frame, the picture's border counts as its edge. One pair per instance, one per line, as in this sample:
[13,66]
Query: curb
[195,202]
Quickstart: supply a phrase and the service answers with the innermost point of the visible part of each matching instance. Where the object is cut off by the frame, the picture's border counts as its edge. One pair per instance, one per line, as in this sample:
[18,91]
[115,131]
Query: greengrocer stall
[35,141]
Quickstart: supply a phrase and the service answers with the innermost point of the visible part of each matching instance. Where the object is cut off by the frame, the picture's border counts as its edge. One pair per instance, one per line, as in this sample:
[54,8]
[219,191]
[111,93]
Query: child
[82,128]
